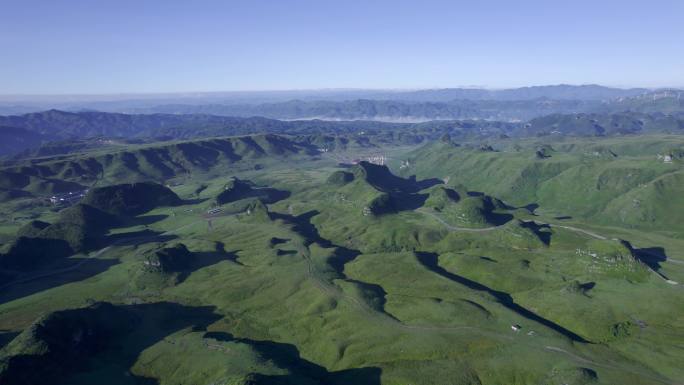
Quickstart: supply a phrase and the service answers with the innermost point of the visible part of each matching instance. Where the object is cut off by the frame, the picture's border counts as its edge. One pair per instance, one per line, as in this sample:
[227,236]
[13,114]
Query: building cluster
[68,198]
[665,158]
[601,263]
[214,211]
[377,159]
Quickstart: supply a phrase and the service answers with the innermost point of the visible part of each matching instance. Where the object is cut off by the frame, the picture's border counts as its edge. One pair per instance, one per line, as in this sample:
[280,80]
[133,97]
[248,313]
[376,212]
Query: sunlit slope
[630,182]
[157,162]
[318,287]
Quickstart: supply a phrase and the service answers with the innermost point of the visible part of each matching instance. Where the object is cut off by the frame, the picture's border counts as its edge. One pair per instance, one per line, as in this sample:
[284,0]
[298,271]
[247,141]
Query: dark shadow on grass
[431,262]
[382,179]
[111,340]
[488,259]
[587,286]
[542,231]
[402,201]
[304,227]
[342,255]
[475,193]
[532,207]
[194,201]
[375,296]
[300,370]
[6,337]
[651,256]
[498,219]
[145,220]
[138,237]
[37,281]
[204,259]
[277,241]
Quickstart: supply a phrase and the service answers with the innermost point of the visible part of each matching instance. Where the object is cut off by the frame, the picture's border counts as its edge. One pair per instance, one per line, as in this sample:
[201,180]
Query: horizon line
[323,89]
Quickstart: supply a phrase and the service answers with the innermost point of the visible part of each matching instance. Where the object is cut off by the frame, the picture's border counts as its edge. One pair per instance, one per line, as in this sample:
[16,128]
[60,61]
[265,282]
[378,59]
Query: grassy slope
[575,181]
[287,309]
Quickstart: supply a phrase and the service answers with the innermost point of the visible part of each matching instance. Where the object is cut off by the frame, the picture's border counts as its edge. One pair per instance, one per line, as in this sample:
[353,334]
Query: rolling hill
[144,162]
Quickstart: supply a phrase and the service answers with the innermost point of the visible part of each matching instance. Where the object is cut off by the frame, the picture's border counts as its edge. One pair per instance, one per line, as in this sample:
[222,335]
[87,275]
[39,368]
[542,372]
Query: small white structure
[379,159]
[68,198]
[664,158]
[214,211]
[516,328]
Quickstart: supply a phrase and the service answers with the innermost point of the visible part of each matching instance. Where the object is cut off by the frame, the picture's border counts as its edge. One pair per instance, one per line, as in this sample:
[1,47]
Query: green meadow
[530,261]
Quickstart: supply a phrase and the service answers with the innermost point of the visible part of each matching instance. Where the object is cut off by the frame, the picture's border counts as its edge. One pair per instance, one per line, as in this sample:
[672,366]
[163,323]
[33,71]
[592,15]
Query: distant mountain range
[626,123]
[457,104]
[385,121]
[67,128]
[126,103]
[64,129]
[385,110]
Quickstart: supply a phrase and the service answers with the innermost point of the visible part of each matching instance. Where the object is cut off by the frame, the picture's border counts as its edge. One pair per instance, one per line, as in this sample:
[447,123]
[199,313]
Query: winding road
[571,228]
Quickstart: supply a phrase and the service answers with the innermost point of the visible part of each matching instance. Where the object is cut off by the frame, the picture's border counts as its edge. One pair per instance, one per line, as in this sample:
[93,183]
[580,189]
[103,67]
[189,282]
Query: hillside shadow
[377,293]
[204,259]
[302,225]
[475,193]
[402,201]
[425,183]
[6,337]
[274,241]
[431,262]
[113,337]
[287,356]
[193,201]
[650,256]
[587,286]
[146,220]
[154,160]
[266,195]
[382,179]
[38,281]
[271,195]
[498,219]
[542,231]
[134,238]
[341,255]
[532,207]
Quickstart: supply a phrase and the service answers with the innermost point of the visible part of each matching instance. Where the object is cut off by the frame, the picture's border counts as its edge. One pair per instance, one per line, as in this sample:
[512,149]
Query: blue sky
[69,46]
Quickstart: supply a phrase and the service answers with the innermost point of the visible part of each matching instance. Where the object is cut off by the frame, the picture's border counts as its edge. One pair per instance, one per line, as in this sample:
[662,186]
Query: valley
[296,268]
[341,192]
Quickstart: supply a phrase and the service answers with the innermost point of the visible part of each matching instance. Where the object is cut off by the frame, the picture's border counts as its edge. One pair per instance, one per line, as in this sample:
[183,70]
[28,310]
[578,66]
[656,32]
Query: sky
[145,46]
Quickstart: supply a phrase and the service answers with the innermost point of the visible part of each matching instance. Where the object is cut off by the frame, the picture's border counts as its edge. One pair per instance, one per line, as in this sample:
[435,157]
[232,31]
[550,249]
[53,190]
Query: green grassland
[363,275]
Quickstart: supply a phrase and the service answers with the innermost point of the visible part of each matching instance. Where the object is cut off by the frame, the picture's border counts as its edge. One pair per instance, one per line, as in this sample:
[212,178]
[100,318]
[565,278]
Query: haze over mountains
[241,102]
[414,115]
[457,216]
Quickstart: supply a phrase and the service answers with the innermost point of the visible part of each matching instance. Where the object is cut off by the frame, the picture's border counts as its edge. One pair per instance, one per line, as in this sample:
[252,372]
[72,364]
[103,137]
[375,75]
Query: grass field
[314,290]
